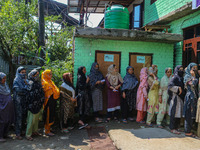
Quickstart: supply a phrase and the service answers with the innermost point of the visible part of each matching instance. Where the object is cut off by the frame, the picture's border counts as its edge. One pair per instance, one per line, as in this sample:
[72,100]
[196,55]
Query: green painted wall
[85,53]
[161,8]
[177,26]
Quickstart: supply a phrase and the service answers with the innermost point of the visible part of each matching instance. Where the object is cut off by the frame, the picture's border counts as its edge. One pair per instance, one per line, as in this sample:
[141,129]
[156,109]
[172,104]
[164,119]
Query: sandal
[131,119]
[107,120]
[160,126]
[149,125]
[98,120]
[175,132]
[83,126]
[36,134]
[29,138]
[141,122]
[125,121]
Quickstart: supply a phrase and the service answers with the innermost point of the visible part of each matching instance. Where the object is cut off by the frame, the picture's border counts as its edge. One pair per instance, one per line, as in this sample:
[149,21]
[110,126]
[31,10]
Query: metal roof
[94,6]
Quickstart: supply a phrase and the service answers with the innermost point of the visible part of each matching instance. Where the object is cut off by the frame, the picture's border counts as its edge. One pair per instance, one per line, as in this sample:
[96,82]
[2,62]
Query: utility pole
[41,29]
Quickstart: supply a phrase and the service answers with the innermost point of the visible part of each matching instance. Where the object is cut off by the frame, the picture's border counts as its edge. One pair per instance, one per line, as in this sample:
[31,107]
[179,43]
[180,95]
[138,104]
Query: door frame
[135,53]
[109,52]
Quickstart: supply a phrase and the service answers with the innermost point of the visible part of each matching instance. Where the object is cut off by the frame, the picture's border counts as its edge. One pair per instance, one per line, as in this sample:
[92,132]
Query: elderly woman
[129,91]
[163,98]
[176,87]
[68,102]
[153,107]
[83,97]
[191,97]
[96,83]
[142,96]
[52,93]
[113,82]
[20,99]
[35,102]
[6,108]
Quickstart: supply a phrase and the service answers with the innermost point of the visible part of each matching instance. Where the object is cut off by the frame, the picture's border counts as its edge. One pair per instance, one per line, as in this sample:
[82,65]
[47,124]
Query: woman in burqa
[52,93]
[35,102]
[6,108]
[96,83]
[176,87]
[129,91]
[191,97]
[83,97]
[20,99]
[68,102]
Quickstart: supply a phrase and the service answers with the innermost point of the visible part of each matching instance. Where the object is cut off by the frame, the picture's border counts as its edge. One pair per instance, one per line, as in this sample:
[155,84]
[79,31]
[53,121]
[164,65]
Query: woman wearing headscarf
[20,99]
[35,102]
[68,102]
[96,83]
[142,96]
[83,98]
[153,106]
[176,86]
[163,98]
[6,108]
[191,97]
[113,82]
[129,91]
[52,93]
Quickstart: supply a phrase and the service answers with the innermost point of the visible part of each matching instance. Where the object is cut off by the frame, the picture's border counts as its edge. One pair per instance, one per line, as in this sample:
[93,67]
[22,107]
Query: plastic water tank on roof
[116,17]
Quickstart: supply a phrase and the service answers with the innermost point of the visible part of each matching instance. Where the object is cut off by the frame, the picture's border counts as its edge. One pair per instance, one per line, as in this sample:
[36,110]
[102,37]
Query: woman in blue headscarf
[190,103]
[129,91]
[6,108]
[19,97]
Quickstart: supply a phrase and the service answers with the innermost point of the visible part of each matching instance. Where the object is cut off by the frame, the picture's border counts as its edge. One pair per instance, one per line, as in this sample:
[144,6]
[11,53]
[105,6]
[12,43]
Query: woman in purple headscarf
[6,108]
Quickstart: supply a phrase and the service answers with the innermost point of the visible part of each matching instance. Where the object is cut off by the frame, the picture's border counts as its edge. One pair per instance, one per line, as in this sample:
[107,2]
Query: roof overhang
[127,35]
[176,14]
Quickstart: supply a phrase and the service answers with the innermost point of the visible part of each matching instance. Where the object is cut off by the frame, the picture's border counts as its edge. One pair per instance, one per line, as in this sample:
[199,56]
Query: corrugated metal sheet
[4,66]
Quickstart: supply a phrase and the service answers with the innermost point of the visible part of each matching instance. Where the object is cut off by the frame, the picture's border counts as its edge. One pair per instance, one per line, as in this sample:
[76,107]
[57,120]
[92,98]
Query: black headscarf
[36,94]
[130,80]
[177,80]
[95,75]
[81,79]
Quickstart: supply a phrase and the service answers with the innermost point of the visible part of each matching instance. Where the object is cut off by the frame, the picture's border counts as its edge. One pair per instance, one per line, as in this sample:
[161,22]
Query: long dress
[35,102]
[163,107]
[113,98]
[176,101]
[20,100]
[141,105]
[51,94]
[67,106]
[153,106]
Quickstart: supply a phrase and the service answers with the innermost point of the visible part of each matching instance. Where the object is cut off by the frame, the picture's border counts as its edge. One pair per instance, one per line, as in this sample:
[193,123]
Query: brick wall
[161,8]
[85,53]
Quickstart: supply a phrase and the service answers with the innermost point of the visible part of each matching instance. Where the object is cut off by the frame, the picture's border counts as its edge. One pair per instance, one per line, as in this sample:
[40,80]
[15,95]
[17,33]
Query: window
[152,1]
[137,16]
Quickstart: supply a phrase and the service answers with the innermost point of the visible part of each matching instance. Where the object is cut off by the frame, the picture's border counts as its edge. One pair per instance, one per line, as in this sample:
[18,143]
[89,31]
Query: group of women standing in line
[173,96]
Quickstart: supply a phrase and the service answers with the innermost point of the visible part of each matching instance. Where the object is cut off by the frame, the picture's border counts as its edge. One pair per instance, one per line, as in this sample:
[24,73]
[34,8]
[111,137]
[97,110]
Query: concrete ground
[125,136]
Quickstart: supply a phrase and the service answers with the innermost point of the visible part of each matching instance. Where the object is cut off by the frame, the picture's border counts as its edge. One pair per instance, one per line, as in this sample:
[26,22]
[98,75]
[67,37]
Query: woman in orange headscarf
[51,94]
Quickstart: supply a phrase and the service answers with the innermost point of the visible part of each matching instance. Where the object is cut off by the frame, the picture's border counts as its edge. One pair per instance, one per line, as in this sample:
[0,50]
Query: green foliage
[59,67]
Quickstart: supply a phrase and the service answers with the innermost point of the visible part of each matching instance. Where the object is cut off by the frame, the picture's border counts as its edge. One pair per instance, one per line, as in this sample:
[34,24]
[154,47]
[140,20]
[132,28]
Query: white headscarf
[4,89]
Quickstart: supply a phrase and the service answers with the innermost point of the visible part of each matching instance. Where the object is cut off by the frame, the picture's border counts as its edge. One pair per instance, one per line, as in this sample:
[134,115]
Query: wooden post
[41,29]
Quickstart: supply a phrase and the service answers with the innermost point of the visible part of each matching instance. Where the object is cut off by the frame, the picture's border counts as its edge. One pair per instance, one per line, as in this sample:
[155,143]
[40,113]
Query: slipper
[65,131]
[159,126]
[83,126]
[36,134]
[131,119]
[107,120]
[149,125]
[29,138]
[98,120]
[50,134]
[191,135]
[125,121]
[141,122]
[70,128]
[19,137]
[175,132]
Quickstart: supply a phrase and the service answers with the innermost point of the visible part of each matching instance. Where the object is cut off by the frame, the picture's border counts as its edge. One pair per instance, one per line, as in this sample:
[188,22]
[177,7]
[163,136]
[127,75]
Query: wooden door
[105,59]
[138,61]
